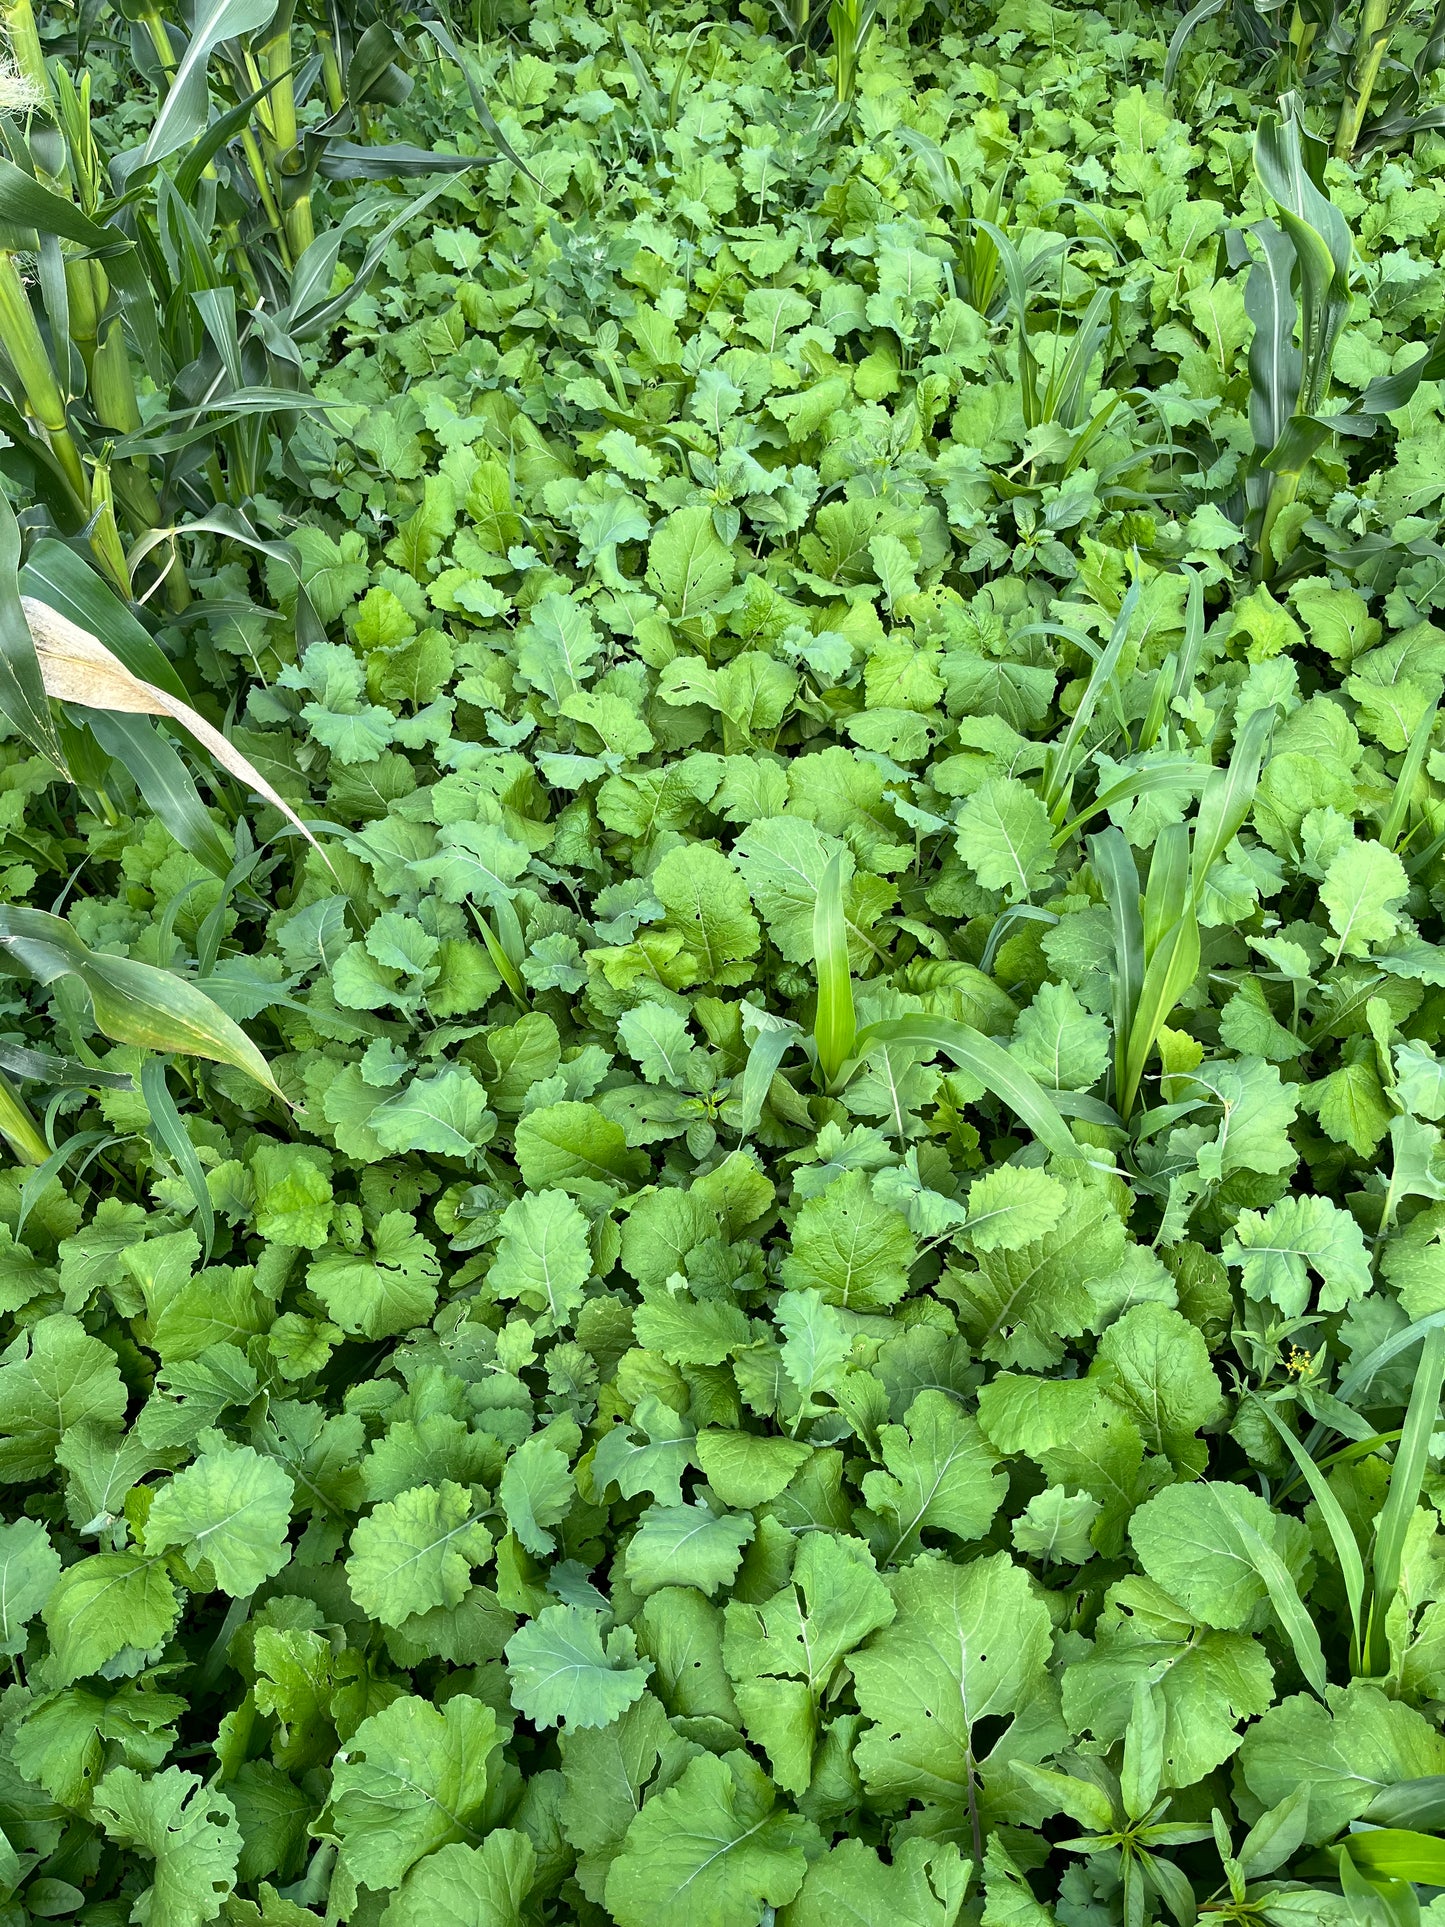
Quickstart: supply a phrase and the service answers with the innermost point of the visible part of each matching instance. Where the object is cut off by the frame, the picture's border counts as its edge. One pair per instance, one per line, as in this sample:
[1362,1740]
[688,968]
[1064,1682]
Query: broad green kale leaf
[1277,1251]
[188,1831]
[745,1468]
[605,1772]
[416,1552]
[923,1886]
[564,1674]
[656,1460]
[834,1600]
[543,1257]
[1064,1045]
[108,1608]
[411,1778]
[1344,1752]
[940,1477]
[853,1250]
[536,1491]
[468,1886]
[1004,837]
[1018,1304]
[230,1508]
[29,1569]
[385,1291]
[968,1643]
[686,1545]
[60,1378]
[1009,1208]
[569,1146]
[1209,1681]
[716,1842]
[620,1438]
[1156,1366]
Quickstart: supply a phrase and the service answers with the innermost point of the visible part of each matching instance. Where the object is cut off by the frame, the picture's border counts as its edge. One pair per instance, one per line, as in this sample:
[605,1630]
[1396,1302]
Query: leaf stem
[18,1127]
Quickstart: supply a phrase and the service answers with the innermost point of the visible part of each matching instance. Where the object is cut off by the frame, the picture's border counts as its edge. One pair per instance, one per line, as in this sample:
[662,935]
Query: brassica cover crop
[723,1021]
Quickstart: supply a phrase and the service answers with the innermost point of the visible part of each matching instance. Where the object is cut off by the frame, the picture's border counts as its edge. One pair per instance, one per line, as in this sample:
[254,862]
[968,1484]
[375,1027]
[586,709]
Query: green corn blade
[1171,950]
[133,1003]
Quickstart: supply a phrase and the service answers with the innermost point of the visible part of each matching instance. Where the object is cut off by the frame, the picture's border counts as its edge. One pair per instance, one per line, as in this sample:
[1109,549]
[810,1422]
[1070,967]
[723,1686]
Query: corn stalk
[850,23]
[1379,20]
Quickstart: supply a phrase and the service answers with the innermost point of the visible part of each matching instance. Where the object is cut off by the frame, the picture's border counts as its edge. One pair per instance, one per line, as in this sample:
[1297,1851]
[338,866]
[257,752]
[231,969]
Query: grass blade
[1171,948]
[1361,1375]
[1228,796]
[18,1127]
[38,1181]
[1188,666]
[313,323]
[1062,766]
[1064,397]
[165,784]
[23,700]
[56,576]
[767,1050]
[1413,1803]
[1283,1594]
[442,36]
[835,1026]
[1118,875]
[353,161]
[1398,1853]
[1406,1479]
[1411,765]
[1161,775]
[1275,365]
[1375,1900]
[60,1073]
[1347,1551]
[1003,924]
[184,111]
[990,1063]
[1017,281]
[174,1138]
[1201,11]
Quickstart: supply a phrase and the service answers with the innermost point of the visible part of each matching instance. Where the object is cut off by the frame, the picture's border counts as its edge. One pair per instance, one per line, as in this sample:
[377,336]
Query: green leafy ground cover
[609,1446]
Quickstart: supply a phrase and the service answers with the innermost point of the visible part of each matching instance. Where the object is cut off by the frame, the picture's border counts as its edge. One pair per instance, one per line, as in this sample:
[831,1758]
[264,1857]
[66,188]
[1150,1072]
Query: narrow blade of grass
[1405,1481]
[1171,947]
[835,1027]
[1347,1551]
[990,1063]
[174,1138]
[1118,875]
[1397,1853]
[1228,796]
[1413,761]
[1283,1596]
[1064,764]
[1413,1803]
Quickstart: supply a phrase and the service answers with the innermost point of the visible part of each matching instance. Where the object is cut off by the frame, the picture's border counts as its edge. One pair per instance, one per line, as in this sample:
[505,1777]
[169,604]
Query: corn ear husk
[86,292]
[26,348]
[112,383]
[30,358]
[31,82]
[105,541]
